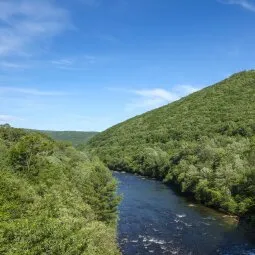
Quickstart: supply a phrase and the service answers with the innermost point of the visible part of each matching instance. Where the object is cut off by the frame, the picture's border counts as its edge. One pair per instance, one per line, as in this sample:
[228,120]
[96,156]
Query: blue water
[156,220]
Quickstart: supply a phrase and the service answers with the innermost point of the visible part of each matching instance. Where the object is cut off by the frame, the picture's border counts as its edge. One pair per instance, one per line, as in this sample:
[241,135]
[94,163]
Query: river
[154,219]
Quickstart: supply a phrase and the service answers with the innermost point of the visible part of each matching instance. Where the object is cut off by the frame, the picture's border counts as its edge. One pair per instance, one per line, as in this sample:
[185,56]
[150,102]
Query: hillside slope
[74,137]
[53,199]
[204,142]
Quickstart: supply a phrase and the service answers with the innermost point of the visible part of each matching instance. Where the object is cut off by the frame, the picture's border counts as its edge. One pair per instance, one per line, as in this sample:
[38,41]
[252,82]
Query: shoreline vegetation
[203,143]
[53,198]
[191,201]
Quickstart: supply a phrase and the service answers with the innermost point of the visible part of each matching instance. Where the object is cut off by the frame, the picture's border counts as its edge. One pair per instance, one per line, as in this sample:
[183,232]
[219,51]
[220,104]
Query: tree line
[53,198]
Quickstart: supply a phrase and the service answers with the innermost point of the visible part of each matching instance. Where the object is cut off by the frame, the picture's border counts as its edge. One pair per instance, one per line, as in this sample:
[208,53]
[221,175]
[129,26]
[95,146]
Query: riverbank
[248,220]
[155,219]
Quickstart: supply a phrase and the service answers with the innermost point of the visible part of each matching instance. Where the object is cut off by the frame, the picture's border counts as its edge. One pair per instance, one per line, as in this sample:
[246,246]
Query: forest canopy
[76,138]
[204,143]
[53,199]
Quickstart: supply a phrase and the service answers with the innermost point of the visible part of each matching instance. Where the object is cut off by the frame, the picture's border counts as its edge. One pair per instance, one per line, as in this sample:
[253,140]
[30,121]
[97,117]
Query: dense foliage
[53,199]
[76,138]
[205,143]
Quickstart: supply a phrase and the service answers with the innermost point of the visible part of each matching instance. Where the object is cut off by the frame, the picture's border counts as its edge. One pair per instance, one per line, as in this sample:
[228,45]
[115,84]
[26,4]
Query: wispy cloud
[156,94]
[246,4]
[26,23]
[12,65]
[108,38]
[147,99]
[74,63]
[30,91]
[62,62]
[66,64]
[183,90]
[150,99]
[8,118]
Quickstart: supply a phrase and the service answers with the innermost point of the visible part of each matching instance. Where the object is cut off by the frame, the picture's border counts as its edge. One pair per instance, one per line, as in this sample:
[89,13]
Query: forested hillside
[205,143]
[53,199]
[74,137]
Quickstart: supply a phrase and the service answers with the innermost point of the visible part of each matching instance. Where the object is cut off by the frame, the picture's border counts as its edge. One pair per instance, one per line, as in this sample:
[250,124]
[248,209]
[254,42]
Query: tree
[30,151]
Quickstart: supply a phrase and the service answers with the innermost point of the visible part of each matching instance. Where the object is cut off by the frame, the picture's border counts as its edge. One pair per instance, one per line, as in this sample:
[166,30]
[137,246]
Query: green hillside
[74,137]
[204,142]
[53,199]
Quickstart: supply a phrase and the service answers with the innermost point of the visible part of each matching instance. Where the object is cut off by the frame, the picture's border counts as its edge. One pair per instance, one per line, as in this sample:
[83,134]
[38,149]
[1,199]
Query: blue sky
[89,64]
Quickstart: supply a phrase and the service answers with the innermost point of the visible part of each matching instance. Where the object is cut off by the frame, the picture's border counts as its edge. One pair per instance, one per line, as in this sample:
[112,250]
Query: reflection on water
[156,220]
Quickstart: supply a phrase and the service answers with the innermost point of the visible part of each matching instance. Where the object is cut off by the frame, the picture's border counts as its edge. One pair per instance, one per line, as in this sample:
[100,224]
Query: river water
[154,219]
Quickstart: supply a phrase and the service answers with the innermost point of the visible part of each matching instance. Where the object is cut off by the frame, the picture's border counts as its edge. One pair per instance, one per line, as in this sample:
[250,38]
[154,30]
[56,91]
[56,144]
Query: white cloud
[12,65]
[62,62]
[30,91]
[26,23]
[7,118]
[185,89]
[66,64]
[74,63]
[148,99]
[156,94]
[246,4]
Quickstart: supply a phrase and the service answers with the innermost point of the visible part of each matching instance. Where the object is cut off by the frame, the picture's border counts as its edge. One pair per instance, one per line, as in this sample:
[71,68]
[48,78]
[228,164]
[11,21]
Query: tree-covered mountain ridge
[76,138]
[204,142]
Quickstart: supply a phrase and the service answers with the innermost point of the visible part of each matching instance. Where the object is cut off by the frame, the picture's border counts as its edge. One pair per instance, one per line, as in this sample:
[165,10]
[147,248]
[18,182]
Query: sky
[90,64]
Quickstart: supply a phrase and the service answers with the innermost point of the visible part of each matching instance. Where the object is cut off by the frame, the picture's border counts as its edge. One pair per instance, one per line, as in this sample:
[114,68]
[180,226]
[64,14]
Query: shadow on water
[156,219]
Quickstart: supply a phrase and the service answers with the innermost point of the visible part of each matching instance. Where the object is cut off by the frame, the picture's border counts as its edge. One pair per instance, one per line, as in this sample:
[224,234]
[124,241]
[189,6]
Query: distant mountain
[204,142]
[75,137]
